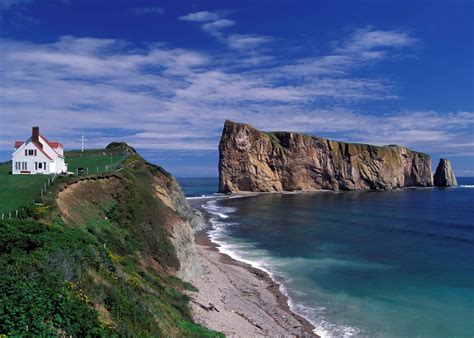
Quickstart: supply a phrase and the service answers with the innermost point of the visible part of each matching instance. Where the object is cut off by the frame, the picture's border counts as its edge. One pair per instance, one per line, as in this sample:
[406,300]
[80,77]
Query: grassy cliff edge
[101,257]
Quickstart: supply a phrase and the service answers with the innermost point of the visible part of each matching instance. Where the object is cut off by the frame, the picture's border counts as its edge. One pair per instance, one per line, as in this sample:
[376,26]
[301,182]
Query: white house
[37,155]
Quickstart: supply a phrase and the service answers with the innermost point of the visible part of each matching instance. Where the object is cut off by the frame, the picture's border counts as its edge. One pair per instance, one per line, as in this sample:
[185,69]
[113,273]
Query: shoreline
[244,194]
[248,301]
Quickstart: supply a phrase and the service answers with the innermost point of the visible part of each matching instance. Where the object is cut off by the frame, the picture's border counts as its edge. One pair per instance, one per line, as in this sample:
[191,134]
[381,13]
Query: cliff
[444,175]
[251,160]
[155,200]
[104,255]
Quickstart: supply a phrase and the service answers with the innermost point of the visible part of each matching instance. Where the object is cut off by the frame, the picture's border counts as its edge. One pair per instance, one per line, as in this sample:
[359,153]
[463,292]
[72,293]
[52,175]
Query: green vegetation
[275,141]
[92,161]
[97,261]
[39,296]
[18,190]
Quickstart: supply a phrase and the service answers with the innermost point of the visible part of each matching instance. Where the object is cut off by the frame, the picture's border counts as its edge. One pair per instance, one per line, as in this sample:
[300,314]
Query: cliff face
[250,160]
[102,253]
[146,200]
[189,220]
[444,176]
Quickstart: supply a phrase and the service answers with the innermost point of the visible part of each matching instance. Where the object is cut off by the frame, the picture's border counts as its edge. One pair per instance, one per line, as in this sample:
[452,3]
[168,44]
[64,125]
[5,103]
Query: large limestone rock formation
[250,160]
[444,176]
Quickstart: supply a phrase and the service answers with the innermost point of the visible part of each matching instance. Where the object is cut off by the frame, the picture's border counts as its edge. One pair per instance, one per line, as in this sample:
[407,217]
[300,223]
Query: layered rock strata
[251,160]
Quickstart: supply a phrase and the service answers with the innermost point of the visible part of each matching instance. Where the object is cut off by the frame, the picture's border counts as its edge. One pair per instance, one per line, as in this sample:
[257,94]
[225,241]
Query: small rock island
[444,176]
[251,160]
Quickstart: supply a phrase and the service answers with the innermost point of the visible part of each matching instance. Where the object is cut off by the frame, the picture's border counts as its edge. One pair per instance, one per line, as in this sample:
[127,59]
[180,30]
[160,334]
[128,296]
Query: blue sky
[164,75]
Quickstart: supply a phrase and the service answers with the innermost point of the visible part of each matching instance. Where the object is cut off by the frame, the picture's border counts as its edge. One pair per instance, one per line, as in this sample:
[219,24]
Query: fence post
[3,216]
[17,213]
[41,191]
[10,215]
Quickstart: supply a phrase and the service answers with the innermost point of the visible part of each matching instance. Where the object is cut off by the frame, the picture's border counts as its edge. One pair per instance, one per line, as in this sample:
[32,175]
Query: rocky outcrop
[444,176]
[123,239]
[168,190]
[146,199]
[250,160]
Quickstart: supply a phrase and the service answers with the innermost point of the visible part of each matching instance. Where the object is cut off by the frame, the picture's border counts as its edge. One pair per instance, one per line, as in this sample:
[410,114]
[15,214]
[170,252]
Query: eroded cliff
[251,160]
[444,175]
[146,199]
[101,256]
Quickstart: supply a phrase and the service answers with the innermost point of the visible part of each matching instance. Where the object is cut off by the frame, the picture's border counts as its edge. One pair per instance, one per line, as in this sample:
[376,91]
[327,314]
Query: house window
[41,165]
[36,165]
[26,152]
[44,165]
[24,165]
[35,152]
[17,165]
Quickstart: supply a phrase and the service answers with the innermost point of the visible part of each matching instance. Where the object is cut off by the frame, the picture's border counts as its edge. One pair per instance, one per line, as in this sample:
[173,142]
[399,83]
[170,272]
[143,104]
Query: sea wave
[206,196]
[466,186]
[216,210]
[247,252]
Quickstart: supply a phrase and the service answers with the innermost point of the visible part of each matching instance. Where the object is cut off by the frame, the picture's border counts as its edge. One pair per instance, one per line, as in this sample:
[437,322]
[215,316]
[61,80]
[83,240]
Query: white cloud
[215,27]
[8,4]
[203,16]
[247,41]
[214,23]
[148,10]
[177,99]
[367,40]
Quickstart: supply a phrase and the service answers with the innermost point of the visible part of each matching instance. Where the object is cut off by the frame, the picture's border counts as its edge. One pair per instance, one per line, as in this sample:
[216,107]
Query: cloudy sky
[165,75]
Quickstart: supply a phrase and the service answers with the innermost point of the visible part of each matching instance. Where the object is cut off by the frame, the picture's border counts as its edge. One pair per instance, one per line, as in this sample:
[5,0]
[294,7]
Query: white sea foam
[214,209]
[466,186]
[247,252]
[202,197]
[205,197]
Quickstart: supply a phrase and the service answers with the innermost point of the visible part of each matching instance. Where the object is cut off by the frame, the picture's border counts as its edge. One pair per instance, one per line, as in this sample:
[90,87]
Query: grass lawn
[95,163]
[17,191]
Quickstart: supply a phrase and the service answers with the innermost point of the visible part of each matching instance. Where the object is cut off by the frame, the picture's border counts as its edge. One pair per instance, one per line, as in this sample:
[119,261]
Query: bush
[36,299]
[102,271]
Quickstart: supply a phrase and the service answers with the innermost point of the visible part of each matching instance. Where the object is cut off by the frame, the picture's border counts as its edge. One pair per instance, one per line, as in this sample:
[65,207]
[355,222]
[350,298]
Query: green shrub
[36,299]
[91,275]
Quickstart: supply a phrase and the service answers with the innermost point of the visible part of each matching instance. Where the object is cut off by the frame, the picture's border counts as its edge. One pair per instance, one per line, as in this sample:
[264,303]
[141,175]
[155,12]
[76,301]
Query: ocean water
[199,186]
[385,264]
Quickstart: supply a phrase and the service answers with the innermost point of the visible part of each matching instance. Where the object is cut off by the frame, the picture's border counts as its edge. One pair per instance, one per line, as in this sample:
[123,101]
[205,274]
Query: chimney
[35,135]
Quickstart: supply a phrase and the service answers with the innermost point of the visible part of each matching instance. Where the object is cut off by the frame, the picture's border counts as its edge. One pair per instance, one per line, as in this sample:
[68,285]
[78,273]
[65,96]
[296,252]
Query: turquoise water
[391,264]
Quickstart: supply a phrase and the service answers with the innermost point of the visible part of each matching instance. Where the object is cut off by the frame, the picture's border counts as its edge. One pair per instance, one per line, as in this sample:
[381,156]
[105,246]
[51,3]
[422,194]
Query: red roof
[52,144]
[55,144]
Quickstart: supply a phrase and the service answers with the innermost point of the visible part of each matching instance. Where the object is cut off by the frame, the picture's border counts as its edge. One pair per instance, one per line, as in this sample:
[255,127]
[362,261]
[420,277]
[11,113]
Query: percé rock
[251,160]
[444,176]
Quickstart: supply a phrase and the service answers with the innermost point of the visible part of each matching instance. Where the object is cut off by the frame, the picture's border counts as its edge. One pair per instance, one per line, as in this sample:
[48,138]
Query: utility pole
[82,139]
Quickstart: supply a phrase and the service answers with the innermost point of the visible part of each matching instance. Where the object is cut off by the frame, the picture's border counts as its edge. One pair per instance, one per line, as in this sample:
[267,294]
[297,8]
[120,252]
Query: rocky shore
[239,300]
